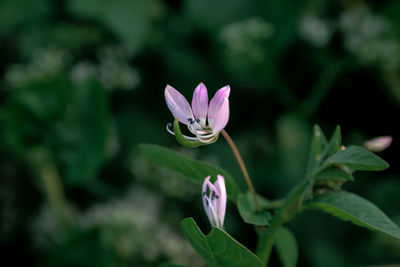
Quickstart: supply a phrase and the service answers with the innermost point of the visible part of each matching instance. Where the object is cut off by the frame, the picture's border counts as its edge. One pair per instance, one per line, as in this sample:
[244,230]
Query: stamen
[214,195]
[169,125]
[192,129]
[207,135]
[203,134]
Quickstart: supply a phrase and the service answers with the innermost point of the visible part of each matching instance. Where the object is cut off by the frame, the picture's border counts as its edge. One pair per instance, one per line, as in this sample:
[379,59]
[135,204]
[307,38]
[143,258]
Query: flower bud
[378,144]
[214,200]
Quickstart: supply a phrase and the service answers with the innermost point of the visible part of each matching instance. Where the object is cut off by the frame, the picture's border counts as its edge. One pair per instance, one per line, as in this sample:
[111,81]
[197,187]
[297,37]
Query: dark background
[82,85]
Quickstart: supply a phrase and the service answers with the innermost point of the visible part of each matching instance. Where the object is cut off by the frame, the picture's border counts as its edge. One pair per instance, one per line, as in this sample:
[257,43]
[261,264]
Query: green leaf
[230,252]
[198,241]
[334,143]
[131,21]
[286,247]
[83,133]
[248,211]
[21,14]
[69,121]
[191,168]
[262,201]
[318,143]
[334,173]
[218,248]
[353,208]
[357,158]
[166,264]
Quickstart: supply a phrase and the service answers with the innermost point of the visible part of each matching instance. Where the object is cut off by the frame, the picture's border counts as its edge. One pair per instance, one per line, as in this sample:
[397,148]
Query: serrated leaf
[350,207]
[286,247]
[248,212]
[191,168]
[218,248]
[357,158]
[334,173]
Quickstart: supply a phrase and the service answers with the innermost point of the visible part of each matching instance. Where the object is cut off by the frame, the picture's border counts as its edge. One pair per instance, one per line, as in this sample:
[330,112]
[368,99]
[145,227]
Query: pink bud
[214,200]
[378,144]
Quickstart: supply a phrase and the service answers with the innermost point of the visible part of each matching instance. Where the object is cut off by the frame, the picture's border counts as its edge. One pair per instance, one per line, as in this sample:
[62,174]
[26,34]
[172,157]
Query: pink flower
[378,144]
[203,120]
[214,200]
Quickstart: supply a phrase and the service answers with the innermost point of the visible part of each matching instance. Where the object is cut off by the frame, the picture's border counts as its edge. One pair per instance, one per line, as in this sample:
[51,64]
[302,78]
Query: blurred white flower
[369,37]
[45,63]
[243,37]
[315,30]
[130,226]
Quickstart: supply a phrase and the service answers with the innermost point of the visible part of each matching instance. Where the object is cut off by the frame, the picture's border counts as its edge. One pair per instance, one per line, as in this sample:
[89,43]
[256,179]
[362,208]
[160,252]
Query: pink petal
[220,186]
[178,105]
[218,111]
[205,197]
[200,103]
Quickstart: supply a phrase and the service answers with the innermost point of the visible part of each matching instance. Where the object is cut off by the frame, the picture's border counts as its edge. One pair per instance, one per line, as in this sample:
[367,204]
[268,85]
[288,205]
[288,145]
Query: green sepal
[181,139]
[187,143]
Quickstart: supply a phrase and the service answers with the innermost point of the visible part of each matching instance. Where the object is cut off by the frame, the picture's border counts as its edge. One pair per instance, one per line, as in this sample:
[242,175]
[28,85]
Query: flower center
[203,133]
[213,195]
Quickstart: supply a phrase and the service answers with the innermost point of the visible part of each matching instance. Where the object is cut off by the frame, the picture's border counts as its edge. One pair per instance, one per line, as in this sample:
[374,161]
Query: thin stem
[242,167]
[53,187]
[282,215]
[274,204]
[55,193]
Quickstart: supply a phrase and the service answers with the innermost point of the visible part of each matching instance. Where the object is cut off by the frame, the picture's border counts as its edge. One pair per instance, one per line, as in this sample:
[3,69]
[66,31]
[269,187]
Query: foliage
[82,86]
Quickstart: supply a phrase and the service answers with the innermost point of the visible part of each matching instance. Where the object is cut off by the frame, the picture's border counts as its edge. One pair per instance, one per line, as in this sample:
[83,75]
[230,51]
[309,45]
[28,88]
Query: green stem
[53,188]
[274,204]
[283,214]
[242,167]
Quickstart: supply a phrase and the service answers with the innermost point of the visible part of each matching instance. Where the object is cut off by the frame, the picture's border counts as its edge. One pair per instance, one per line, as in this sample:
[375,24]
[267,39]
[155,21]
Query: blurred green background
[82,85]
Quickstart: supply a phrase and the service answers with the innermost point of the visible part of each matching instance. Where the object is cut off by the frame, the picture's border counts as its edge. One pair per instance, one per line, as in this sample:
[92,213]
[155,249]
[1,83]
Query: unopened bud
[378,144]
